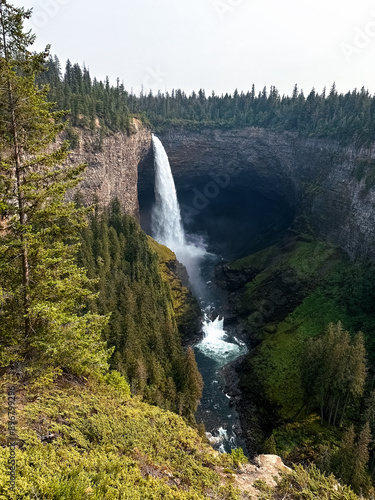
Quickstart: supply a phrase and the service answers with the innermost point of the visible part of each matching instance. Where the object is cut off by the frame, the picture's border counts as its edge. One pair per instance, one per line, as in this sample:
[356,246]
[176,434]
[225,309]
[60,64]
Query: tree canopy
[348,118]
[43,291]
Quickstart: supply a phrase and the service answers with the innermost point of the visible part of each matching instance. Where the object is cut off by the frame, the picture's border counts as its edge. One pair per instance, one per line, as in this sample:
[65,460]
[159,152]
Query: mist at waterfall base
[217,348]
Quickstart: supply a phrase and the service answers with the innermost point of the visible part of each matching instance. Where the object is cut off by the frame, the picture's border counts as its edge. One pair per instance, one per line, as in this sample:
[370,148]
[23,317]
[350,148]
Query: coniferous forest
[98,394]
[348,118]
[142,327]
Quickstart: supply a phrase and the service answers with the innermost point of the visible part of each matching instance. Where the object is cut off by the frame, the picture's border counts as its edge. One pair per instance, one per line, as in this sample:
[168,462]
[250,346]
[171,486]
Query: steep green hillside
[298,288]
[82,438]
[186,307]
[142,327]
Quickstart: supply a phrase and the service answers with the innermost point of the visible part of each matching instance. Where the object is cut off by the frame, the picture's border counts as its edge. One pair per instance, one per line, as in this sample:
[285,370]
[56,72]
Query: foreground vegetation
[303,484]
[88,439]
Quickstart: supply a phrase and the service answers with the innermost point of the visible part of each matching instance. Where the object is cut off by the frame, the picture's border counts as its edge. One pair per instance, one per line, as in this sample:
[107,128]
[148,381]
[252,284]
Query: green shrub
[91,440]
[238,457]
[115,379]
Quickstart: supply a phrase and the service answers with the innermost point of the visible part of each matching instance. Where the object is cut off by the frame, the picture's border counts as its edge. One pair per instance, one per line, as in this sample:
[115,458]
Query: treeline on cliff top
[349,118]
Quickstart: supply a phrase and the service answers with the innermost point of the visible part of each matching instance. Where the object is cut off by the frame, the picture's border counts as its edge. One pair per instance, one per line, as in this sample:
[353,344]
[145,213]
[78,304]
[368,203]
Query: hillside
[82,438]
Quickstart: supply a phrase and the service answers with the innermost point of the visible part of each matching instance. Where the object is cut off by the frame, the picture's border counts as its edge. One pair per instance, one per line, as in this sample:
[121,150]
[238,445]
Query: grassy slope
[82,439]
[105,445]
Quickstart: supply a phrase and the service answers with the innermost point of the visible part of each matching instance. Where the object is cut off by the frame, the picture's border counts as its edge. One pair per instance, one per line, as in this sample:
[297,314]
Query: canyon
[328,187]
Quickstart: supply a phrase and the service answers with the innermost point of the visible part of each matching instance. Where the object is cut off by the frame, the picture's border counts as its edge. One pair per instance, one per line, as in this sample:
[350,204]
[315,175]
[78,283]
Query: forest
[347,118]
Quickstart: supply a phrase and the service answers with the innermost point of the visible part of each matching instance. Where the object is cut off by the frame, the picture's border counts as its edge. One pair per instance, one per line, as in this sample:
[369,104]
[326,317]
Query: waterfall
[166,224]
[216,348]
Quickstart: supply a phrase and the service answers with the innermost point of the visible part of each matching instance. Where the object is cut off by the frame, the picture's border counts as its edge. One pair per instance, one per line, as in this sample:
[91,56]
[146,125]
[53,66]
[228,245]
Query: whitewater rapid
[216,344]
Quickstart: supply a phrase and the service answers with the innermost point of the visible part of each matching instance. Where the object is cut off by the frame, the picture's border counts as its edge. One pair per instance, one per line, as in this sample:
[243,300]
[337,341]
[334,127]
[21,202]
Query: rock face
[112,167]
[267,469]
[333,186]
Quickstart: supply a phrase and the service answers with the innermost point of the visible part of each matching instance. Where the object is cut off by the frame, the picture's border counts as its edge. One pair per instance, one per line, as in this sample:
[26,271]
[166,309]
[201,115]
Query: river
[217,347]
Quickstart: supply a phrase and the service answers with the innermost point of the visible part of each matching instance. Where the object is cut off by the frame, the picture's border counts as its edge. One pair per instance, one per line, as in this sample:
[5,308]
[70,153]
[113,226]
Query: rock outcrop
[112,166]
[266,468]
[331,185]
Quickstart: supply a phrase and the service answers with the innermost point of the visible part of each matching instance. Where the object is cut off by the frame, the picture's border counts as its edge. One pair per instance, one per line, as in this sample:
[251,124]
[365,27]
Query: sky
[219,45]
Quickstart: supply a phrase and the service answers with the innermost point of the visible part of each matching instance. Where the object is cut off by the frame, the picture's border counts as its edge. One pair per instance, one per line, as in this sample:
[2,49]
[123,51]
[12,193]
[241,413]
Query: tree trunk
[20,196]
[337,407]
[331,405]
[344,409]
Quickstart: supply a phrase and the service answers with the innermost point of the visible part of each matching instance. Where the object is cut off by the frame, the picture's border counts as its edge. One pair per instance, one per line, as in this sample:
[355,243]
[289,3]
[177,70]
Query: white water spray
[215,343]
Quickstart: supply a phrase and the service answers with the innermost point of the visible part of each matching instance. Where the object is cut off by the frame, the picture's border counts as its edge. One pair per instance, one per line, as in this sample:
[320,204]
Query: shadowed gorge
[233,224]
[328,185]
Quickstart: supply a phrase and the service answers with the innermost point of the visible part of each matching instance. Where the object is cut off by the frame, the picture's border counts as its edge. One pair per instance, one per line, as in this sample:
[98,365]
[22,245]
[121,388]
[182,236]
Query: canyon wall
[330,186]
[112,166]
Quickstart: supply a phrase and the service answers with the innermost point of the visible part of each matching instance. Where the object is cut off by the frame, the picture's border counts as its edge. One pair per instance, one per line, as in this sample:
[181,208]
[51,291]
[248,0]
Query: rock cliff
[332,186]
[112,165]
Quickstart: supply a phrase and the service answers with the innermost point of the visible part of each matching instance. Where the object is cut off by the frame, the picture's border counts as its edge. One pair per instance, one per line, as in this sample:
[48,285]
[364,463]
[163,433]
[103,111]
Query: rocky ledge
[112,166]
[266,468]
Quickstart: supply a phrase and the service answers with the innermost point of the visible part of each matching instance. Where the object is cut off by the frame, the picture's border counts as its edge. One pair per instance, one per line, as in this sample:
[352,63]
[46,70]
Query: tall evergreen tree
[350,460]
[334,372]
[43,292]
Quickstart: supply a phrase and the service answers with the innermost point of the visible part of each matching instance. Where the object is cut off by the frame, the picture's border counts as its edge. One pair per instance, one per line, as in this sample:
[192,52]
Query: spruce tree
[43,292]
[193,381]
[334,372]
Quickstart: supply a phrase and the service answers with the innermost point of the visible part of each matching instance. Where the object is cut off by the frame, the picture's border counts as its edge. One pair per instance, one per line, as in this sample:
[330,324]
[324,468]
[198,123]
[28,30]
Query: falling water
[166,216]
[217,348]
[166,222]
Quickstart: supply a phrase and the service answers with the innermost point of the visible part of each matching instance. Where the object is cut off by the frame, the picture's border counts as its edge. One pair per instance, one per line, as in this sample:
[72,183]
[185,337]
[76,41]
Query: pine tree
[42,321]
[193,381]
[360,479]
[349,462]
[344,459]
[334,372]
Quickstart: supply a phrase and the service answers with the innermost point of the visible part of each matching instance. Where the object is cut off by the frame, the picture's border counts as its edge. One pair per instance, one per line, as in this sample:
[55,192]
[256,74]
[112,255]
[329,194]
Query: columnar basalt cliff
[112,166]
[333,186]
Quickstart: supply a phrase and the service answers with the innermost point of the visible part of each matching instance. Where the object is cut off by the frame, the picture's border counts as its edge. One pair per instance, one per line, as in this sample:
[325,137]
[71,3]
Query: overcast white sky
[214,44]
